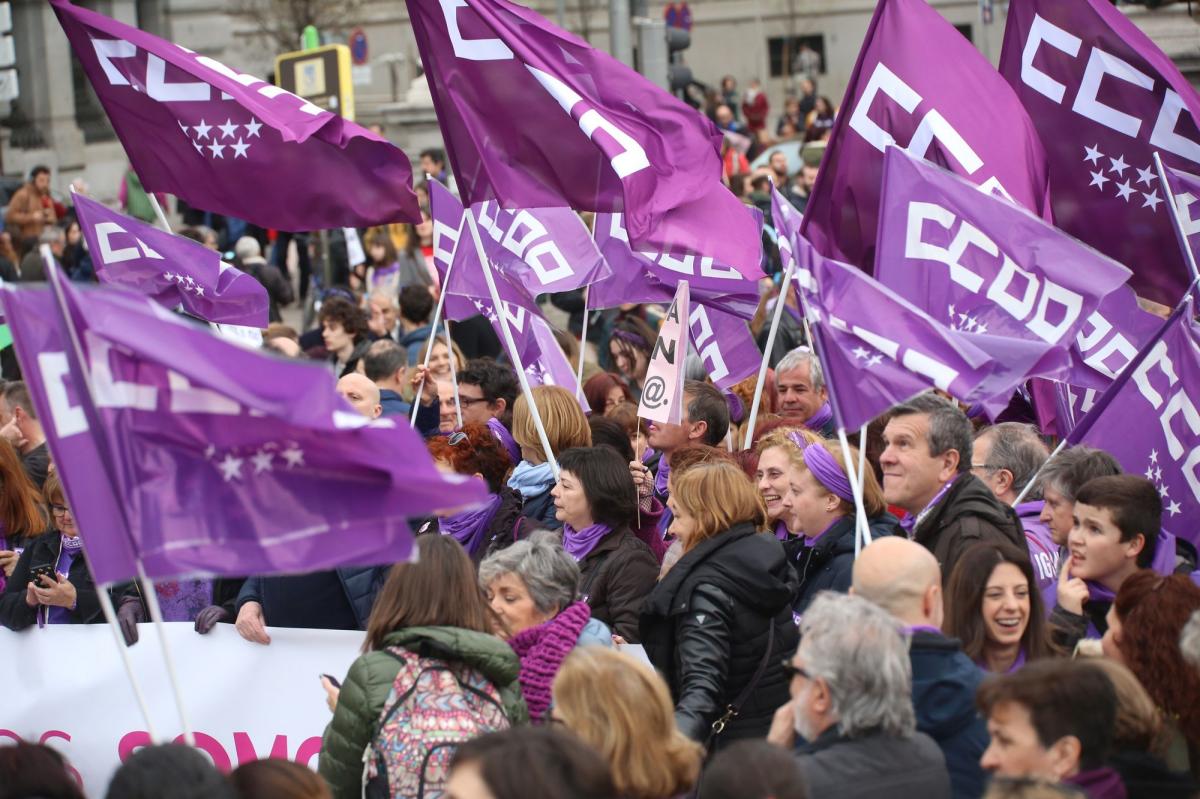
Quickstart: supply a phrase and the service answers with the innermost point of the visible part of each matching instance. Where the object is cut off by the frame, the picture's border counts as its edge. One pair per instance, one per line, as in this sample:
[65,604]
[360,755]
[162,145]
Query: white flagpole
[1032,480]
[863,535]
[54,277]
[506,334]
[582,346]
[1176,221]
[762,369]
[158,211]
[453,370]
[437,317]
[152,605]
[110,616]
[862,458]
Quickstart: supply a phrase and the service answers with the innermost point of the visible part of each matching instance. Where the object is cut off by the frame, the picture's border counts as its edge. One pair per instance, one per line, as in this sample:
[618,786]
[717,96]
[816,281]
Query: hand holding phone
[46,571]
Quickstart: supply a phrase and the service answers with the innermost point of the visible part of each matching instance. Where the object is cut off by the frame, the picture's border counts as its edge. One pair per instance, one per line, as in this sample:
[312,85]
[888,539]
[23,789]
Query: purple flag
[922,85]
[1104,99]
[551,368]
[535,117]
[228,461]
[232,143]
[1184,189]
[877,349]
[1148,419]
[653,276]
[171,270]
[986,265]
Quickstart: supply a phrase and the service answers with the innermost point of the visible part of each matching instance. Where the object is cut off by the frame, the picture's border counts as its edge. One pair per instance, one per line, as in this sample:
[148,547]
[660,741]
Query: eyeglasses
[792,671]
[59,510]
[454,439]
[985,467]
[467,402]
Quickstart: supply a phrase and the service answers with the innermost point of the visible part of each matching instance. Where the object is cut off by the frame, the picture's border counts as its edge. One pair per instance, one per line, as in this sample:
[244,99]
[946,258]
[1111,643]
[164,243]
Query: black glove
[128,616]
[208,618]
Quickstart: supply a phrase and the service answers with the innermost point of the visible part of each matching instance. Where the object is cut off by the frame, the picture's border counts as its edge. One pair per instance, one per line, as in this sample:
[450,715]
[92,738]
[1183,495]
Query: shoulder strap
[734,707]
[585,589]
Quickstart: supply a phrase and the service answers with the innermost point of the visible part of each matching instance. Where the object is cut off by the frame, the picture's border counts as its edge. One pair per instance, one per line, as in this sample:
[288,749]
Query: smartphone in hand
[333,680]
[38,572]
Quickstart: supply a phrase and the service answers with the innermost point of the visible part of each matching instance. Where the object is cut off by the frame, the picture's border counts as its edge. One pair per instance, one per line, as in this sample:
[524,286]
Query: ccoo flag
[922,85]
[1184,190]
[172,270]
[232,143]
[535,117]
[228,461]
[662,391]
[1105,98]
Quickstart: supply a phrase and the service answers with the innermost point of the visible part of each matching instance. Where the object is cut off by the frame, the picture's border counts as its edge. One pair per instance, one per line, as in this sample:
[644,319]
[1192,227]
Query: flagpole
[1033,479]
[863,534]
[54,277]
[453,371]
[437,317]
[582,346]
[158,211]
[1176,222]
[151,597]
[506,334]
[110,616]
[862,457]
[748,438]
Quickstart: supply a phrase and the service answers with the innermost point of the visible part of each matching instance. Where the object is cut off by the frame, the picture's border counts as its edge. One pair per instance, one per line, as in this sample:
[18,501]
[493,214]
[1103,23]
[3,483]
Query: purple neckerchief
[1163,561]
[71,547]
[781,530]
[580,543]
[812,540]
[1101,783]
[822,417]
[3,546]
[505,438]
[1016,665]
[910,522]
[922,628]
[467,527]
[1043,552]
[382,273]
[660,479]
[648,454]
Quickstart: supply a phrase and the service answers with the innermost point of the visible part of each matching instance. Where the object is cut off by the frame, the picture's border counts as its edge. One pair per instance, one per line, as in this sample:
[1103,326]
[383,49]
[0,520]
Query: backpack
[433,707]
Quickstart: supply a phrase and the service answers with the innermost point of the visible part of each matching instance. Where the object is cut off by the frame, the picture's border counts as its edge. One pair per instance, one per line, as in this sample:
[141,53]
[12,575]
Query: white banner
[245,701]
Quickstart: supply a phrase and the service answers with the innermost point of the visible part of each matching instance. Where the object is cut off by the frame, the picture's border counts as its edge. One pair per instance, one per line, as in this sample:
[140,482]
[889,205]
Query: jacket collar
[662,598]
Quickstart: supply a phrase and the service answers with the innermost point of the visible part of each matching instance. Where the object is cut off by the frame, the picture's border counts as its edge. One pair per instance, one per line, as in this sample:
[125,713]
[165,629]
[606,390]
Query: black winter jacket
[44,551]
[828,565]
[968,514]
[360,584]
[615,578]
[705,629]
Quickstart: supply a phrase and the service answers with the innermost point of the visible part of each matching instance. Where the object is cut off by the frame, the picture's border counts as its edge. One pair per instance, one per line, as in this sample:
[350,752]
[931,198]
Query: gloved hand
[128,616]
[208,618]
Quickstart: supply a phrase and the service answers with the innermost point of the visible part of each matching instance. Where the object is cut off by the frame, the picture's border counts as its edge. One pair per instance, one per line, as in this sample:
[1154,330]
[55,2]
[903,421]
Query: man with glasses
[851,690]
[487,390]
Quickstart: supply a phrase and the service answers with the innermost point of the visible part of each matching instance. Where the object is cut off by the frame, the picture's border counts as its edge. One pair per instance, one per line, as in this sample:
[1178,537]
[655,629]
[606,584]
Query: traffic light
[679,74]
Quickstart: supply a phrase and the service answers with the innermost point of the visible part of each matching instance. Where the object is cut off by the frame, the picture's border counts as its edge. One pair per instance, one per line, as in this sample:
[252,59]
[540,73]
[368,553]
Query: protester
[276,778]
[175,770]
[1029,788]
[381,271]
[497,523]
[774,452]
[719,623]
[429,646]
[1141,740]
[753,769]
[629,347]
[1053,720]
[704,420]
[52,583]
[608,432]
[361,393]
[383,308]
[1006,457]
[819,508]
[565,427]
[21,512]
[594,500]
[623,710]
[1117,520]
[523,763]
[926,472]
[345,333]
[1060,480]
[386,365]
[1144,623]
[448,407]
[605,391]
[801,386]
[416,306]
[31,209]
[851,689]
[903,578]
[279,288]
[35,770]
[994,608]
[19,425]
[532,586]
[487,390]
[439,361]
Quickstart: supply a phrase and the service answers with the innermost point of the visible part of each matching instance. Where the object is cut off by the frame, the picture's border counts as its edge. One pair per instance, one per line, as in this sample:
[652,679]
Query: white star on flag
[1124,190]
[294,456]
[1118,165]
[1150,473]
[252,128]
[199,291]
[190,283]
[217,150]
[1146,175]
[202,130]
[239,148]
[209,451]
[874,360]
[1154,456]
[1092,154]
[1151,200]
[1174,509]
[861,353]
[262,461]
[228,130]
[1098,179]
[231,467]
[199,147]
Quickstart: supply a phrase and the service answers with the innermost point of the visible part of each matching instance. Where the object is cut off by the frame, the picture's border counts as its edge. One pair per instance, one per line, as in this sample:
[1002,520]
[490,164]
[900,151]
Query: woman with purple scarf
[533,586]
[595,500]
[497,523]
[993,607]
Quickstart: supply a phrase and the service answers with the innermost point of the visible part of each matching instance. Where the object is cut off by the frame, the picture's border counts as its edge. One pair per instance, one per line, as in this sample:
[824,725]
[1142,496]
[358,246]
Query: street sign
[321,76]
[358,47]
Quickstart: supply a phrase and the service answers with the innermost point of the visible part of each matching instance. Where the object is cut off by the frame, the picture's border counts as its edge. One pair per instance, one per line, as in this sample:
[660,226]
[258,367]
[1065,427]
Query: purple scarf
[781,530]
[468,526]
[1101,783]
[1015,667]
[822,417]
[542,650]
[580,543]
[660,489]
[71,547]
[909,523]
[812,540]
[505,438]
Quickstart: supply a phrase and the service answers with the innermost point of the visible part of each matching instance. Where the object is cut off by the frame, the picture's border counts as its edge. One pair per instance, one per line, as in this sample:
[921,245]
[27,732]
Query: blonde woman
[776,451]
[566,427]
[622,709]
[719,624]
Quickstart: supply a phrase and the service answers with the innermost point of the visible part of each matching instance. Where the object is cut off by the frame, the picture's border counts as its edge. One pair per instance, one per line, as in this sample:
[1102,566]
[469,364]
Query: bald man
[362,393]
[903,578]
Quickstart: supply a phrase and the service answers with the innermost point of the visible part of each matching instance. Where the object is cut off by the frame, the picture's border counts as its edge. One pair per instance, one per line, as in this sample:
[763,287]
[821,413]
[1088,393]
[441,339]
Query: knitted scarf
[542,650]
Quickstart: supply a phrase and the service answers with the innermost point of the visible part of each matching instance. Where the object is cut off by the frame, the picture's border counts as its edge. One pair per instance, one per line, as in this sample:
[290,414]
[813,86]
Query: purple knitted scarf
[542,650]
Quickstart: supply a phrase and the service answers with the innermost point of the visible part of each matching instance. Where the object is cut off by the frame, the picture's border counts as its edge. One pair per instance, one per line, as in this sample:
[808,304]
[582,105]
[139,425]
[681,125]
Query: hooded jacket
[828,564]
[369,681]
[705,628]
[967,514]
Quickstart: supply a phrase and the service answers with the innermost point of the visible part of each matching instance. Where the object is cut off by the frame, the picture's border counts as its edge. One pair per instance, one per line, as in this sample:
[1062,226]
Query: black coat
[828,565]
[705,628]
[615,578]
[360,584]
[44,551]
[967,515]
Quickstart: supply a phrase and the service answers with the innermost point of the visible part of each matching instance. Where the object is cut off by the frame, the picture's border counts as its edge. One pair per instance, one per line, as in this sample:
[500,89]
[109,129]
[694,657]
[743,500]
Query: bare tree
[281,22]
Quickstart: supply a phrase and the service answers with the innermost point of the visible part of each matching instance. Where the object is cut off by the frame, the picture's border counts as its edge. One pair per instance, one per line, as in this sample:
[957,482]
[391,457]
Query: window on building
[796,55]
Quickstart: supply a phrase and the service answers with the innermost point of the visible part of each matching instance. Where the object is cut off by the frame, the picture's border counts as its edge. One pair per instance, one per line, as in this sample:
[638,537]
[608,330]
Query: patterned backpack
[433,707]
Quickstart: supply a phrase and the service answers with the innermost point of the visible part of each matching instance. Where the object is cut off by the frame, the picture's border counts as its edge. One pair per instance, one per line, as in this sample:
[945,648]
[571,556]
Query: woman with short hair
[533,588]
[566,427]
[719,624]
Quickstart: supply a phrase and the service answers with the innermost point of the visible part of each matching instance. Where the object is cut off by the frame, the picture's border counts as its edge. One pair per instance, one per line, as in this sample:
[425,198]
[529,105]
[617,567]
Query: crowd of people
[654,610]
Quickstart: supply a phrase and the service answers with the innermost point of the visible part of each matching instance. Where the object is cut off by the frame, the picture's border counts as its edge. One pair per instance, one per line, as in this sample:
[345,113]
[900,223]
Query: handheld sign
[662,393]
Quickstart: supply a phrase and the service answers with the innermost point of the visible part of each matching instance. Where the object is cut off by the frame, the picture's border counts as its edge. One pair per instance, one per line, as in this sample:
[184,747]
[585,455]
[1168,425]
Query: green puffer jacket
[367,684]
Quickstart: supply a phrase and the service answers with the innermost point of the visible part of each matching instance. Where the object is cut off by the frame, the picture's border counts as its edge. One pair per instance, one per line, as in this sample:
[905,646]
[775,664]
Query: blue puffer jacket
[360,584]
[944,685]
[828,564]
